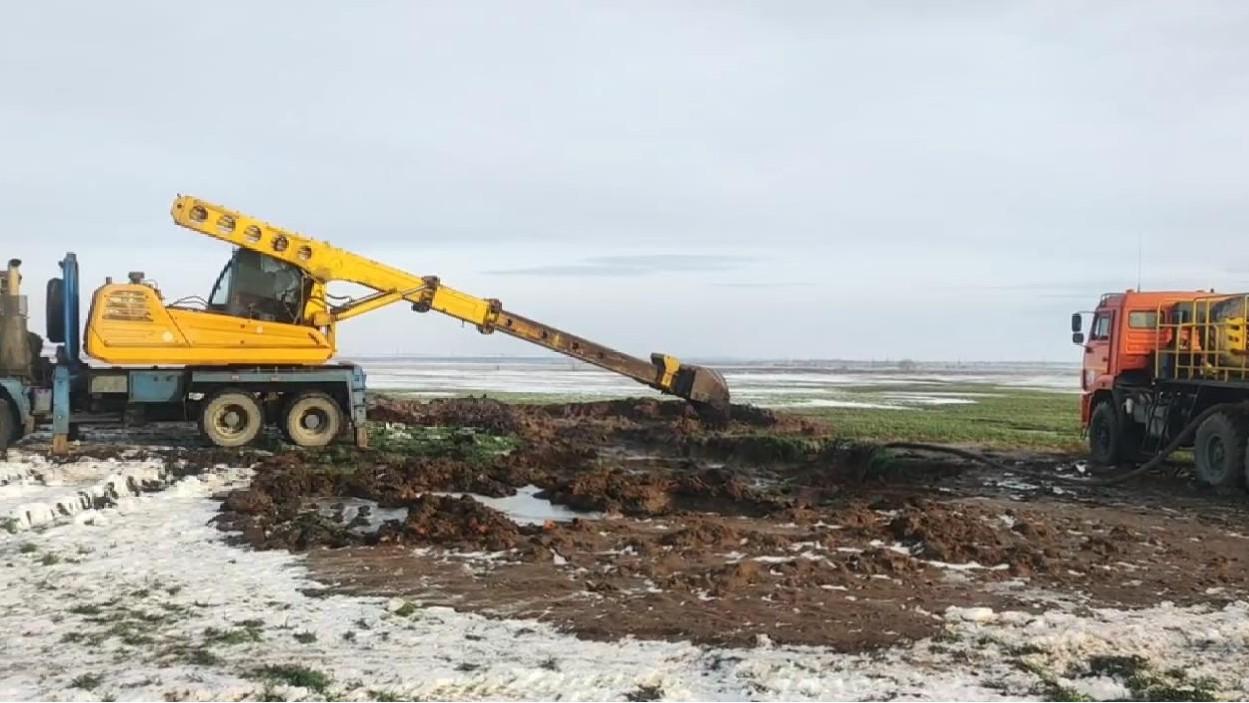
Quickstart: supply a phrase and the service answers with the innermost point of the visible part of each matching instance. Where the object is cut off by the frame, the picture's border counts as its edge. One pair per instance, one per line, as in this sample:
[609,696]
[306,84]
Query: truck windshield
[1101,327]
[259,287]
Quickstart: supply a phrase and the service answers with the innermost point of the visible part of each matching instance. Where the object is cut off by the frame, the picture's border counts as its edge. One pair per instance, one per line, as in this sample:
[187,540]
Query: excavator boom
[324,263]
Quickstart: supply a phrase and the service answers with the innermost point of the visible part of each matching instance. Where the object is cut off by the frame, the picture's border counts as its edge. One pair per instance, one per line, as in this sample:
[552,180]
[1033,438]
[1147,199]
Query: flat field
[621,548]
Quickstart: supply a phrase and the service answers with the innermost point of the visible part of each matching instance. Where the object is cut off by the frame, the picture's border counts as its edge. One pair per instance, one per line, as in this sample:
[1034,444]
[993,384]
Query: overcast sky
[777,179]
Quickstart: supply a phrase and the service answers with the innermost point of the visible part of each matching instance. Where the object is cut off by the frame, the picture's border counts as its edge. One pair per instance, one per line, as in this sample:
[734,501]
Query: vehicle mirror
[1077,338]
[1077,322]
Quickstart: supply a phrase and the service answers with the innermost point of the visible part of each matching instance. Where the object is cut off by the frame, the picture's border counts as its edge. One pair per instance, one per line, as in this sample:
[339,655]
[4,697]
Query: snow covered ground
[139,596]
[769,384]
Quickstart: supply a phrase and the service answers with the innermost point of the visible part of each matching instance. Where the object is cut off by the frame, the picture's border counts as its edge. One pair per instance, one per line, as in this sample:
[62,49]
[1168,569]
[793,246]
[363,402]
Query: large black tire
[54,301]
[1219,451]
[231,418]
[1108,443]
[8,427]
[312,419]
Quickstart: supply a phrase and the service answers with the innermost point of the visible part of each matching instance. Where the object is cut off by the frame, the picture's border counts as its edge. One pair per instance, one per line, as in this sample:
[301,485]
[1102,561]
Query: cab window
[1143,319]
[1100,330]
[220,298]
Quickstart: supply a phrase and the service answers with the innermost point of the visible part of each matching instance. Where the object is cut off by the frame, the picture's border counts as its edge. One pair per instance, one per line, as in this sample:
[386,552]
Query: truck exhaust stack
[15,351]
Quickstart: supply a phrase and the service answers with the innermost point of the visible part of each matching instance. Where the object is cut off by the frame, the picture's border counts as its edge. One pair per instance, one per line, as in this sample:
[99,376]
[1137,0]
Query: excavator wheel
[312,419]
[231,418]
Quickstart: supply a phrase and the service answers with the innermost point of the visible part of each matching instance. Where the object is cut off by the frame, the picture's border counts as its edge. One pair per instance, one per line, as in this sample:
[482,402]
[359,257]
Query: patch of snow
[831,403]
[36,492]
[973,614]
[142,597]
[525,508]
[966,566]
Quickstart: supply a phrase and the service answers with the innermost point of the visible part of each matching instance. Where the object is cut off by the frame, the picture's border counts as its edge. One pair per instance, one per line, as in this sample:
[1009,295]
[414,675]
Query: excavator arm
[324,263]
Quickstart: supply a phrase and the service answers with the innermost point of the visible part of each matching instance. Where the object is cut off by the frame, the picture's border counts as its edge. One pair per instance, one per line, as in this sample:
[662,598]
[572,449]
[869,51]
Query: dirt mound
[483,413]
[448,521]
[392,479]
[653,493]
[650,410]
[248,502]
[753,415]
[758,448]
[879,562]
[717,581]
[307,530]
[961,534]
[701,534]
[637,409]
[614,490]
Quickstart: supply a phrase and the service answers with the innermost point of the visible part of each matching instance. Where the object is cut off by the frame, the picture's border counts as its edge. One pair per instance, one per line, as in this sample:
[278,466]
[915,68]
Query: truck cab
[1164,369]
[1124,333]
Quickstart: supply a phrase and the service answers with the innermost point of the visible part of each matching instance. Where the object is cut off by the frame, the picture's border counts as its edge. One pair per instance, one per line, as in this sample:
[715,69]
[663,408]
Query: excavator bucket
[704,387]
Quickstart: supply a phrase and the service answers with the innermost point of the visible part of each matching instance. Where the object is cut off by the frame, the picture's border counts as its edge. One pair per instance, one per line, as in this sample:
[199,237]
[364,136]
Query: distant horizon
[721,360]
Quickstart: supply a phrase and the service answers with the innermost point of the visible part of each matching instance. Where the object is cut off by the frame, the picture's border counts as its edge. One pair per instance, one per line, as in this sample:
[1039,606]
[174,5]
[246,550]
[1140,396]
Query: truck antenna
[1138,262]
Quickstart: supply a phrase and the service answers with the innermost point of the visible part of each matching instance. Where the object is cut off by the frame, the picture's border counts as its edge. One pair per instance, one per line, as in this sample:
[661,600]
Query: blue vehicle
[231,404]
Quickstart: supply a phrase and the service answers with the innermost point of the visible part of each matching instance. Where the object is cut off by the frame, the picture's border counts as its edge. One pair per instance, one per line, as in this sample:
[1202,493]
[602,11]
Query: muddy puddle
[525,507]
[634,518]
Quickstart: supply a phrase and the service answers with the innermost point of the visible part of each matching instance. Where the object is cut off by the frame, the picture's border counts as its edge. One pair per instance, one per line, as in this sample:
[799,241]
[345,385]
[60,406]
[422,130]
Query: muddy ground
[764,528]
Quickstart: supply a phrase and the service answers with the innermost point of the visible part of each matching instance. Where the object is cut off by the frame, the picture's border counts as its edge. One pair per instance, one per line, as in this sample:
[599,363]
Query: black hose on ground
[1182,438]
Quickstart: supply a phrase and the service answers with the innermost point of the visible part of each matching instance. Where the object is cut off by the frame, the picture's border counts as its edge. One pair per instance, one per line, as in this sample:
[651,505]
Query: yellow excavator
[270,308]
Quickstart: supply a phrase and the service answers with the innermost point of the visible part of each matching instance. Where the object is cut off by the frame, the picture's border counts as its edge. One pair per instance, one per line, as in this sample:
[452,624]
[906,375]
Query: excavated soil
[764,528]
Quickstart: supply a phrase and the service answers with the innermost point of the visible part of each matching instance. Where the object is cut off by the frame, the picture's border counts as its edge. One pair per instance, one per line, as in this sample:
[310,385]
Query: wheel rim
[314,421]
[230,420]
[1101,438]
[1216,453]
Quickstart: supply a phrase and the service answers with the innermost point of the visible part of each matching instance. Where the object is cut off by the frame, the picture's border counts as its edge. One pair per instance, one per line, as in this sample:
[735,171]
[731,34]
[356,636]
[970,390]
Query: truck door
[1097,349]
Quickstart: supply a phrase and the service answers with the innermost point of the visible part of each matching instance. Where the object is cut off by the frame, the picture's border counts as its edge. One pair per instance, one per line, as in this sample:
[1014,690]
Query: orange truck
[1154,361]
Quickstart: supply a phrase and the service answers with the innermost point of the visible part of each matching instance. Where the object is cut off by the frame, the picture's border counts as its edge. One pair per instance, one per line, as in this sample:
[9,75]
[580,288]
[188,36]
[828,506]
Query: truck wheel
[8,428]
[312,419]
[231,418]
[1106,440]
[1219,451]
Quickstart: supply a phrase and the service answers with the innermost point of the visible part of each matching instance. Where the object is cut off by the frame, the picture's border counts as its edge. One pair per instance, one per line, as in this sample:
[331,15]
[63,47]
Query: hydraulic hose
[1154,462]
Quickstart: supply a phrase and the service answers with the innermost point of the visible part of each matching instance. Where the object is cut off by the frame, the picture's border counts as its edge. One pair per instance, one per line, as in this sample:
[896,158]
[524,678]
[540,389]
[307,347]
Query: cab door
[1097,350]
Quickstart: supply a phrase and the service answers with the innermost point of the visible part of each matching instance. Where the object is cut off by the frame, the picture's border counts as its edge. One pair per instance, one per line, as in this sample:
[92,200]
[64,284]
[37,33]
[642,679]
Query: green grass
[238,635]
[1003,417]
[501,396]
[294,675]
[1000,416]
[87,682]
[408,608]
[439,441]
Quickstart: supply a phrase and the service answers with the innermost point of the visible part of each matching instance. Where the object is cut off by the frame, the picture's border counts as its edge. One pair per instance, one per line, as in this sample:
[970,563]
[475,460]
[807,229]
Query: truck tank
[1220,324]
[16,355]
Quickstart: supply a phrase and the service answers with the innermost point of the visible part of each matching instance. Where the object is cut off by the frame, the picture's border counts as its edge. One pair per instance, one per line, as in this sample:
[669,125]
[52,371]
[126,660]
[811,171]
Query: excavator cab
[255,314]
[259,287]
